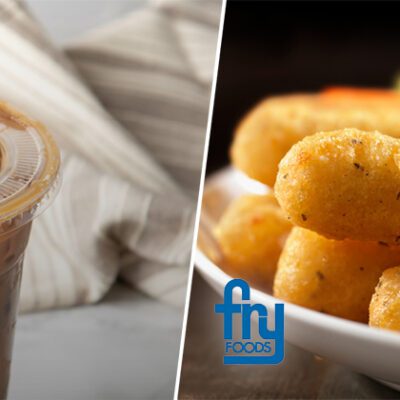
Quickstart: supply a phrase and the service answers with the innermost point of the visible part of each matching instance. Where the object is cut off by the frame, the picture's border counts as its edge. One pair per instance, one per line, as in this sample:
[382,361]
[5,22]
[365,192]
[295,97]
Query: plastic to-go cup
[29,180]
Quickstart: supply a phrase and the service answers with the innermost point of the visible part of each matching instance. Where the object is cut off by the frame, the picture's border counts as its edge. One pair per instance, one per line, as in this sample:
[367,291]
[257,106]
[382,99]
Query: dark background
[281,47]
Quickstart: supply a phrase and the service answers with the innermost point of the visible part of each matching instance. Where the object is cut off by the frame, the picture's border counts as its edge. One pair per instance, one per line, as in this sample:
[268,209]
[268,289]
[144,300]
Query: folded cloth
[152,71]
[124,203]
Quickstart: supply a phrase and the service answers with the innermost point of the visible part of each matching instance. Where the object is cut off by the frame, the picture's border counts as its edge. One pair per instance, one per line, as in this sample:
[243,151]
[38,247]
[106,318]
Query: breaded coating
[334,277]
[344,185]
[384,310]
[269,130]
[251,234]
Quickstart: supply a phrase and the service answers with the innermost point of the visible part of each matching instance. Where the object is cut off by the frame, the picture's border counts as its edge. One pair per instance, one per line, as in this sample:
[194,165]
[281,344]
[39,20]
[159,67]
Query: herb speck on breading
[358,166]
[356,141]
[320,275]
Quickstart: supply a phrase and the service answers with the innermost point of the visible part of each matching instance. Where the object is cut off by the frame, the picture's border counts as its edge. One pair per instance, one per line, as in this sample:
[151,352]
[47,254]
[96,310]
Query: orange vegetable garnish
[353,93]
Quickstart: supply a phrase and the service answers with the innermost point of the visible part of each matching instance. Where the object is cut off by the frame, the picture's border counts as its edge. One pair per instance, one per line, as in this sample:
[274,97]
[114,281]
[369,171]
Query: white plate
[371,351]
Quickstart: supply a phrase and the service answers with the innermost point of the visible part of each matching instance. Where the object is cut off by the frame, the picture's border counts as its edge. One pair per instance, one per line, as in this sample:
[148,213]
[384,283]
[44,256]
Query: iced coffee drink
[29,168]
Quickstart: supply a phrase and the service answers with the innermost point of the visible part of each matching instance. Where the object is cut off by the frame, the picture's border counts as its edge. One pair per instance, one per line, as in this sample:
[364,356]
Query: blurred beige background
[112,350]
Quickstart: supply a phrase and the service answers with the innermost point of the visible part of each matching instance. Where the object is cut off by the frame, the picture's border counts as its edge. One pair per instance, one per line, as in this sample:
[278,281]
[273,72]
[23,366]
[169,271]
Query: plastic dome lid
[29,168]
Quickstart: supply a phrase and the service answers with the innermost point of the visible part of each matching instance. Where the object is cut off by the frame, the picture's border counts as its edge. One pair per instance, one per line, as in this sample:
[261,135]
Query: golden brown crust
[344,185]
[269,130]
[334,277]
[251,234]
[384,310]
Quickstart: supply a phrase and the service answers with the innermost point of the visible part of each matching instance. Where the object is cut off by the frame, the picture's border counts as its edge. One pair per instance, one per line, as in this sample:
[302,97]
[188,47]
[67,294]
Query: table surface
[125,347]
[301,375]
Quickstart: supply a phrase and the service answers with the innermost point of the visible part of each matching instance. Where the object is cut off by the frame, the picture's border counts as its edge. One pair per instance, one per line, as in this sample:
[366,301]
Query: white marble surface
[126,347]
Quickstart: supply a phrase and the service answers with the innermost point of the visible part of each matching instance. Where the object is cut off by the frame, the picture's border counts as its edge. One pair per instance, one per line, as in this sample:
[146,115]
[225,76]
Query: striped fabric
[152,71]
[131,152]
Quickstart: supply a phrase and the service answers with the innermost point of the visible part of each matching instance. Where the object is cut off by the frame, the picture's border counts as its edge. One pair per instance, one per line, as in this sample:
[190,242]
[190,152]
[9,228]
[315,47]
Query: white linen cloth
[128,105]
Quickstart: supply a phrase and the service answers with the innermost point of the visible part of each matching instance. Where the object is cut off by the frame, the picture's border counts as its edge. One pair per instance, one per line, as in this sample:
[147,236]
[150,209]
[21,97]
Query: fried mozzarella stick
[344,185]
[269,130]
[251,235]
[384,310]
[337,277]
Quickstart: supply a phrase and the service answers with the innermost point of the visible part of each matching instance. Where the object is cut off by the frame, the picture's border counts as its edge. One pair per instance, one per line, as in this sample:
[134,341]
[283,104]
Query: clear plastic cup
[29,180]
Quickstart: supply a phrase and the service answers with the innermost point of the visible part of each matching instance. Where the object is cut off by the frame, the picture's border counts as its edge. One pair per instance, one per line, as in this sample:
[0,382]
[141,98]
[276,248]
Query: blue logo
[269,345]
